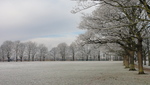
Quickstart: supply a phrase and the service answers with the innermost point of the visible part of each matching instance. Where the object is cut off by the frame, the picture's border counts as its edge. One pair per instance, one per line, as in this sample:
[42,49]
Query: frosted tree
[53,52]
[86,50]
[7,46]
[31,49]
[43,51]
[2,53]
[21,49]
[124,26]
[85,4]
[62,47]
[96,51]
[34,50]
[16,49]
[73,49]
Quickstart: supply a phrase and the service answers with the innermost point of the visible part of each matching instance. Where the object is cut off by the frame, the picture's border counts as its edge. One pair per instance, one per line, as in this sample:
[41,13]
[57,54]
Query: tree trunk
[132,66]
[43,58]
[3,58]
[54,58]
[29,57]
[62,58]
[8,59]
[87,58]
[21,59]
[140,58]
[16,57]
[40,58]
[99,57]
[32,57]
[126,61]
[73,57]
[73,54]
[148,58]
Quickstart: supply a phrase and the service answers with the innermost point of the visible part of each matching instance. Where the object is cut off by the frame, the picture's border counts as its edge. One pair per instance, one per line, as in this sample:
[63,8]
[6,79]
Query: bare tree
[22,47]
[86,50]
[2,53]
[16,48]
[73,49]
[34,50]
[85,4]
[7,46]
[53,53]
[29,47]
[62,50]
[43,50]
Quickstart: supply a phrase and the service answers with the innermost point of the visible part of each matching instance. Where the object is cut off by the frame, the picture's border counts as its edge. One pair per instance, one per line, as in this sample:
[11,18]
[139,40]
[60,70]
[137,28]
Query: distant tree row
[31,51]
[18,51]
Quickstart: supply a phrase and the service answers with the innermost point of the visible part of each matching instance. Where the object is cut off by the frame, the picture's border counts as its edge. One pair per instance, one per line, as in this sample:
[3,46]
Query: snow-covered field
[69,73]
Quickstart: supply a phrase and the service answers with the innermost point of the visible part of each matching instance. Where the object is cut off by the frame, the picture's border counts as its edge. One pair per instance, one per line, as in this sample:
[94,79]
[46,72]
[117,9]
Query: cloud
[38,20]
[53,41]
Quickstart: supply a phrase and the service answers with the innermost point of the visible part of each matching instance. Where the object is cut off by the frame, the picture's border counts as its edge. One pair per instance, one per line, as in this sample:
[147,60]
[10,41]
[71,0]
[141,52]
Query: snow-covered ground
[69,73]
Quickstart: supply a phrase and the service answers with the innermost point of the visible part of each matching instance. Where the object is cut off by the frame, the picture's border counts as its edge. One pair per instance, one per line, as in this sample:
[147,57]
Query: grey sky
[43,21]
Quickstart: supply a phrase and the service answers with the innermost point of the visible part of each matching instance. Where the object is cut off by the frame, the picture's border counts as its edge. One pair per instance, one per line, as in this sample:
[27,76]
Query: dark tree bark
[29,57]
[140,57]
[32,57]
[99,56]
[43,58]
[16,57]
[73,57]
[149,59]
[40,58]
[21,59]
[87,58]
[8,57]
[126,61]
[3,58]
[132,66]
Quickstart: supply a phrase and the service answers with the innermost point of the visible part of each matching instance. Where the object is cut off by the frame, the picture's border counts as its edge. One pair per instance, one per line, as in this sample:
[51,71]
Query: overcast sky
[43,21]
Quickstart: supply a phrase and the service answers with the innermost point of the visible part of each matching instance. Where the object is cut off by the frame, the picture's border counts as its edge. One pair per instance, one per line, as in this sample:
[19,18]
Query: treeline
[31,51]
[18,51]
